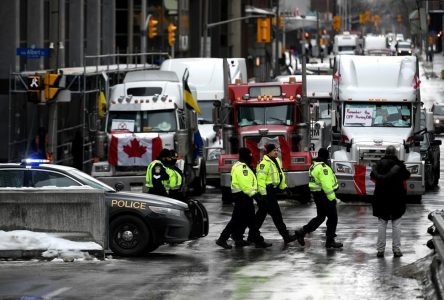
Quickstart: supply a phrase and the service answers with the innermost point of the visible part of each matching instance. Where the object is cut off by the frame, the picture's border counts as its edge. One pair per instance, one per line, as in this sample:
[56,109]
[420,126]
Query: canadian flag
[363,184]
[130,150]
[256,148]
[336,75]
[416,82]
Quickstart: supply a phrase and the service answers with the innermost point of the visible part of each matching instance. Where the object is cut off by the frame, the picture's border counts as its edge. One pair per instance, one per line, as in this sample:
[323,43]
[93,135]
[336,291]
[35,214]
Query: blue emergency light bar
[34,161]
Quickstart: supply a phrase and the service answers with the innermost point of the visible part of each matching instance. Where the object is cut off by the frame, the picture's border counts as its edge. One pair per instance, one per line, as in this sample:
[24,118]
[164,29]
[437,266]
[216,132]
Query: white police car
[138,223]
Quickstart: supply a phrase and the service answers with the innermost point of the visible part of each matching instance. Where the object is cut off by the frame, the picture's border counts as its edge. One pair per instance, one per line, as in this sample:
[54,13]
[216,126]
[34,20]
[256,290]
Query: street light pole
[276,66]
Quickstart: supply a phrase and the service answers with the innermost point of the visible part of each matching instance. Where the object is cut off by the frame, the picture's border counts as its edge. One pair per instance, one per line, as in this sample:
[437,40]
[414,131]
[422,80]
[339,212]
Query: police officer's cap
[173,153]
[244,154]
[390,151]
[323,153]
[164,153]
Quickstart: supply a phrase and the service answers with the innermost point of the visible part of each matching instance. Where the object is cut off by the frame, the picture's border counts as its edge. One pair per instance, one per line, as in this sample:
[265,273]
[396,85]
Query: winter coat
[389,175]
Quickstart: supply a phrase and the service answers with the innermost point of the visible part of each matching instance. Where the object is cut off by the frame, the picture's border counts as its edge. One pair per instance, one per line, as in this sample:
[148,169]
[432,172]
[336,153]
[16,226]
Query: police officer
[323,184]
[175,180]
[156,174]
[243,189]
[271,180]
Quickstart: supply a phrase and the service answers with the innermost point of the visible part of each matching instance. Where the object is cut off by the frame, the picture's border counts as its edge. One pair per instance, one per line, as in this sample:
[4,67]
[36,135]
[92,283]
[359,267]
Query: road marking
[56,292]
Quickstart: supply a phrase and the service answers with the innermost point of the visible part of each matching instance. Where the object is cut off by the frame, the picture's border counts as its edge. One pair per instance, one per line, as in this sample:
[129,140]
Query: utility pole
[276,70]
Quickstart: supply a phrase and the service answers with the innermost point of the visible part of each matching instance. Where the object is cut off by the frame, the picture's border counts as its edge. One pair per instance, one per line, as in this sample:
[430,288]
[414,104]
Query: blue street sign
[33,52]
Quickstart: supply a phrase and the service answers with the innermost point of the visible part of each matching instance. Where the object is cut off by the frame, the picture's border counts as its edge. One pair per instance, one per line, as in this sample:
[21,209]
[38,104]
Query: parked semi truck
[145,114]
[319,95]
[210,77]
[257,114]
[376,103]
[345,43]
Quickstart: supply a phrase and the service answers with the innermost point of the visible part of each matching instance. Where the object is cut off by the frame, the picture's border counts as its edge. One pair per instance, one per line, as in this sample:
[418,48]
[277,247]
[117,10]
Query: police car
[138,223]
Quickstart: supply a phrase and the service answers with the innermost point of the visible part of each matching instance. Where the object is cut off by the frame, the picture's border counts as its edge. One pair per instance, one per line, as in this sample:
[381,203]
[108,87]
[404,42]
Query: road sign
[32,52]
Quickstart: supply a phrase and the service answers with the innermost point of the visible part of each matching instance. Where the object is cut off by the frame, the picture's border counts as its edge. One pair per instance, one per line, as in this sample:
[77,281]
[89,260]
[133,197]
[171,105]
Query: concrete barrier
[80,214]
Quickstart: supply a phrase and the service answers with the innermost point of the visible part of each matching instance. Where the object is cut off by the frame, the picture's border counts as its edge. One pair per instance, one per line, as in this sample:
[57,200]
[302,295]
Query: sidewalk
[432,86]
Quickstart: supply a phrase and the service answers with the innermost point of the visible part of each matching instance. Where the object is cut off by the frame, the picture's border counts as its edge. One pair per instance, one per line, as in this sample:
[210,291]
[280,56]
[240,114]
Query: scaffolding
[71,121]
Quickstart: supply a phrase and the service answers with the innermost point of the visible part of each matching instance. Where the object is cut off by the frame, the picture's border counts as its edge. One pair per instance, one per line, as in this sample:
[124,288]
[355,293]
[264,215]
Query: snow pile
[54,246]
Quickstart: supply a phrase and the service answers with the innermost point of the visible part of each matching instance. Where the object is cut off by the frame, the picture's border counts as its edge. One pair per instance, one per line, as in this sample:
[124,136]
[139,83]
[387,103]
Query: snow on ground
[55,247]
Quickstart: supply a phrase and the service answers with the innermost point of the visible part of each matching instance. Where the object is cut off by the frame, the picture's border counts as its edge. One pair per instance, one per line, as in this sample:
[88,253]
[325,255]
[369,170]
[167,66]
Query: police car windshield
[91,181]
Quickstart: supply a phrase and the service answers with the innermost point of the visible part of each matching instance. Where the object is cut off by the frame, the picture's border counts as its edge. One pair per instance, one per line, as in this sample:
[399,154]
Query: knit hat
[323,153]
[164,153]
[270,147]
[244,154]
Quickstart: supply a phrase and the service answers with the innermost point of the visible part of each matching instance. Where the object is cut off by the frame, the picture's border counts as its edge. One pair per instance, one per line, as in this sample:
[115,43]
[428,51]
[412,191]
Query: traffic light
[152,28]
[337,23]
[362,19]
[280,22]
[399,18]
[51,82]
[307,35]
[171,34]
[376,19]
[34,88]
[263,30]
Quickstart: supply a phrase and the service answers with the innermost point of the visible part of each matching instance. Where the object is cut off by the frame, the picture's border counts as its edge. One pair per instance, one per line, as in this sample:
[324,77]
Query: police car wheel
[129,236]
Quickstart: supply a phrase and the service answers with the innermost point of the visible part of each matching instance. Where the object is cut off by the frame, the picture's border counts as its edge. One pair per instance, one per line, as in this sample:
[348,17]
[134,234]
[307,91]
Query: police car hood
[150,199]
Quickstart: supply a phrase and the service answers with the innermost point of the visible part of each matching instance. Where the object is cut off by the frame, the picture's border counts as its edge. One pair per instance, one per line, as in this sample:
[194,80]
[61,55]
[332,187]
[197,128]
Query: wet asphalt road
[201,270]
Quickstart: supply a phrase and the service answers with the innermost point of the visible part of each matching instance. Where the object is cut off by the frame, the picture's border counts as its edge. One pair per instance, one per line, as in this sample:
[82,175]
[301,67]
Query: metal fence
[437,243]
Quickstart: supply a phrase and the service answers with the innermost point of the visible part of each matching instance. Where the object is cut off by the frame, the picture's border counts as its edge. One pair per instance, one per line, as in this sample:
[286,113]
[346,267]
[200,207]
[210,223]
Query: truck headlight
[437,121]
[413,169]
[102,168]
[165,211]
[214,155]
[344,169]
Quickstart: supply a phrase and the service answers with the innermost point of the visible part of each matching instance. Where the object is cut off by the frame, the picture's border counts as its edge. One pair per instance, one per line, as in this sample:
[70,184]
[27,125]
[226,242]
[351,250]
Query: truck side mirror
[333,118]
[429,121]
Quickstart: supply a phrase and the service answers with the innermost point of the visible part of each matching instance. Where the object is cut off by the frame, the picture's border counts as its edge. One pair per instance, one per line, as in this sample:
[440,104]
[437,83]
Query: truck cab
[146,113]
[371,112]
[259,114]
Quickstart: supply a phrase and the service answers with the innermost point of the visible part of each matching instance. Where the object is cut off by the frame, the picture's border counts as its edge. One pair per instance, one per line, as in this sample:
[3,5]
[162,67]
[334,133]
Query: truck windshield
[206,109]
[265,115]
[346,48]
[377,115]
[142,121]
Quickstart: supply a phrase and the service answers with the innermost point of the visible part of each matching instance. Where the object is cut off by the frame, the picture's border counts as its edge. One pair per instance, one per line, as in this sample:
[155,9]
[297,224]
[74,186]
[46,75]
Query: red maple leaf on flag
[416,82]
[134,149]
[336,75]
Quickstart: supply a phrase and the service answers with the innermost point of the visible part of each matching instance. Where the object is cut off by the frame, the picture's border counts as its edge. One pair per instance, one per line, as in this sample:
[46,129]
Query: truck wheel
[429,176]
[200,183]
[226,195]
[129,236]
[436,177]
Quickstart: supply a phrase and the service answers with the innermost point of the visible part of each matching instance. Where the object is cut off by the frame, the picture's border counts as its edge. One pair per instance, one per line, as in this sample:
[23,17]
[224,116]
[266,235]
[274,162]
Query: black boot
[289,238]
[300,234]
[223,244]
[262,244]
[333,244]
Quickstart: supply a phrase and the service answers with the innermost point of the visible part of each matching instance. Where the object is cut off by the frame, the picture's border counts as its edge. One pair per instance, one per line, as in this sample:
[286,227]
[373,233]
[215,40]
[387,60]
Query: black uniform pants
[243,216]
[325,209]
[269,205]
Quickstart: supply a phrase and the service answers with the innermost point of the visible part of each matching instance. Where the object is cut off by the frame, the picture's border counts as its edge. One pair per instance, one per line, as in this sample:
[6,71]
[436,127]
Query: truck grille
[131,169]
[371,155]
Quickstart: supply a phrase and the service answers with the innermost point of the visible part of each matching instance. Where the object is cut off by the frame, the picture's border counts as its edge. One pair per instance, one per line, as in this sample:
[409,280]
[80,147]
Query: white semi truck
[376,103]
[145,114]
[345,43]
[210,77]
